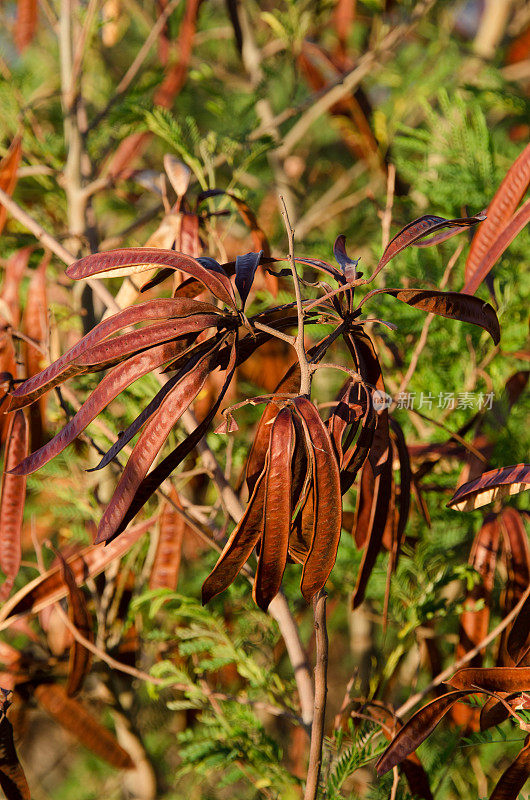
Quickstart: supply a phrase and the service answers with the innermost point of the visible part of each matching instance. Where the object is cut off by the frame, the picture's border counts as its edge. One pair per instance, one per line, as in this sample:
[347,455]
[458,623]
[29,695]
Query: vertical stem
[305,372]
[77,165]
[321,690]
[74,146]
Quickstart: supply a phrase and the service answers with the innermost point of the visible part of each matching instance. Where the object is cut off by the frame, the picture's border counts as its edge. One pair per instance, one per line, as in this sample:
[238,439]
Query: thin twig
[511,711]
[395,784]
[285,337]
[103,656]
[347,83]
[346,203]
[251,56]
[310,305]
[73,179]
[114,241]
[469,447]
[355,376]
[312,217]
[276,711]
[321,690]
[45,238]
[258,400]
[136,65]
[452,668]
[299,346]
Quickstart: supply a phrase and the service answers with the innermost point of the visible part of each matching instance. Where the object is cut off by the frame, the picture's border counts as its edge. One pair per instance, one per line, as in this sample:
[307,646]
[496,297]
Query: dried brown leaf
[166,565]
[9,167]
[12,499]
[496,483]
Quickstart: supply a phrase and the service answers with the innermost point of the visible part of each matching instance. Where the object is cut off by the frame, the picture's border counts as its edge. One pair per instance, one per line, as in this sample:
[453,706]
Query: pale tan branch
[47,240]
[347,83]
[299,344]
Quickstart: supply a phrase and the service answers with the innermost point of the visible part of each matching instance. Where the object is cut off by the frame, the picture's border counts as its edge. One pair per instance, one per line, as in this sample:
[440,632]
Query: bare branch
[321,690]
[47,240]
[277,334]
[136,65]
[305,372]
[347,83]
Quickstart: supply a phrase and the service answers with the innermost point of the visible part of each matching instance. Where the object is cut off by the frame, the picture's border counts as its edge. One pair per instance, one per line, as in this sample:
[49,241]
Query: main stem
[299,345]
[321,690]
[76,202]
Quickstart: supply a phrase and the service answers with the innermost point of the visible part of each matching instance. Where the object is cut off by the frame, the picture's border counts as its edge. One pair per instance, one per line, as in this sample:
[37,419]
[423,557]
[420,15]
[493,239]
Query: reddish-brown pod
[513,227]
[16,266]
[328,505]
[166,564]
[503,205]
[80,657]
[8,174]
[74,717]
[416,730]
[35,325]
[491,485]
[26,23]
[278,509]
[12,497]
